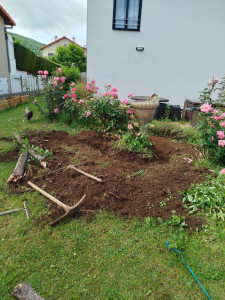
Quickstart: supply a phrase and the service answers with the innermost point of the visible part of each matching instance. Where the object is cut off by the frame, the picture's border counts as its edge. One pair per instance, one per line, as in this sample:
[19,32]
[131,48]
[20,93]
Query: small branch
[10,211]
[31,151]
[84,173]
[26,209]
[18,172]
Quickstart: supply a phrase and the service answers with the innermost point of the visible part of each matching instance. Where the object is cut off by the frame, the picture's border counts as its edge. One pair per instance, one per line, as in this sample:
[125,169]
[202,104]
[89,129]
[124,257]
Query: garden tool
[69,210]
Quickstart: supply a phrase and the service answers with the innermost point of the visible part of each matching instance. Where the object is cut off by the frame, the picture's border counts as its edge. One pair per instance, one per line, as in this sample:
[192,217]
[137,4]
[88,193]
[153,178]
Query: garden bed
[132,186]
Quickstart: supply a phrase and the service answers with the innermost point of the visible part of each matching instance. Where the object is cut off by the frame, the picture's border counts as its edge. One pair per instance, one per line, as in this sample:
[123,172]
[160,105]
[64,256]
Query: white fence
[20,84]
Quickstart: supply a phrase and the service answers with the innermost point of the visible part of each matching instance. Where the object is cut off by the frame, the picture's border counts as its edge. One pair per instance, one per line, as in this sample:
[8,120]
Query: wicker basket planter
[24,99]
[4,104]
[14,101]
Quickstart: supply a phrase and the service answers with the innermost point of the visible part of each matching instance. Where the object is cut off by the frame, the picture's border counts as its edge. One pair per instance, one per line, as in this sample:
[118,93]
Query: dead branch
[26,209]
[25,292]
[18,172]
[10,211]
[31,151]
[84,173]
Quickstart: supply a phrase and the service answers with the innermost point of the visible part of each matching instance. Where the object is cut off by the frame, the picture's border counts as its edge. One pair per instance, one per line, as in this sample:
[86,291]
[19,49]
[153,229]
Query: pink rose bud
[56,110]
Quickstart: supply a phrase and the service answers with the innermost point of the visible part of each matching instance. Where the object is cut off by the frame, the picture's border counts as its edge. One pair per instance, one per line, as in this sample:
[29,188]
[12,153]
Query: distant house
[50,49]
[167,47]
[5,22]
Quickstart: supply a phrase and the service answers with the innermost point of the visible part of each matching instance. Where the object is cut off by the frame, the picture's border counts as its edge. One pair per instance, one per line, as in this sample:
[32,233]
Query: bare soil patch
[132,186]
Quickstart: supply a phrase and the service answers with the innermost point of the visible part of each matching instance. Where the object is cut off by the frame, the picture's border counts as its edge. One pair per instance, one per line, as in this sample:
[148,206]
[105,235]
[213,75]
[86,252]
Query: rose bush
[79,104]
[107,112]
[211,121]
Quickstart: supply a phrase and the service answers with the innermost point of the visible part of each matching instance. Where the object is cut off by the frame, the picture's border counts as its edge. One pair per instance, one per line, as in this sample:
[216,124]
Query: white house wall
[4,67]
[183,44]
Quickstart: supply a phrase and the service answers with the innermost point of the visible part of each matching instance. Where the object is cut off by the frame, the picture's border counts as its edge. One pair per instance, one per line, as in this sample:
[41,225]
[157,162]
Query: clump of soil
[132,186]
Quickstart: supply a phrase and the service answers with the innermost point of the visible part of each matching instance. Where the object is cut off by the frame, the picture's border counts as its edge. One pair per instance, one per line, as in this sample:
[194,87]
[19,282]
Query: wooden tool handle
[49,196]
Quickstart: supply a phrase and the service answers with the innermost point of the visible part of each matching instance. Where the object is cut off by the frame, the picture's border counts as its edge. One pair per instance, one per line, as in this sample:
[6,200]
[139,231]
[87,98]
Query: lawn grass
[101,256]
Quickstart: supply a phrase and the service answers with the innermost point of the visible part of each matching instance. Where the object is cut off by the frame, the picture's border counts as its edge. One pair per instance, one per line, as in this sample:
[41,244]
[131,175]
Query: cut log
[25,292]
[84,173]
[18,172]
[31,151]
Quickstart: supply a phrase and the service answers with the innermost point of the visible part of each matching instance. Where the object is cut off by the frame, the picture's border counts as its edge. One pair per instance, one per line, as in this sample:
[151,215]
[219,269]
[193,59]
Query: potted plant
[144,111]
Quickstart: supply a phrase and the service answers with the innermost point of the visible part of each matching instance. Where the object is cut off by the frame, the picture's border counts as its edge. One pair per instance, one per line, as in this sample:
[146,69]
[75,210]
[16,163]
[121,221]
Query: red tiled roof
[64,37]
[8,20]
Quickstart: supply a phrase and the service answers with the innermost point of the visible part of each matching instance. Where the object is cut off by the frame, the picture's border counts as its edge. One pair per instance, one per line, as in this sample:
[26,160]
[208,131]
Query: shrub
[71,54]
[211,120]
[135,143]
[28,61]
[71,74]
[107,112]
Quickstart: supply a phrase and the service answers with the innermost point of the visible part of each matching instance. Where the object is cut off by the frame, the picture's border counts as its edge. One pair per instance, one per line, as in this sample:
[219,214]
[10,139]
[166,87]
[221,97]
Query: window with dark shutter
[127,14]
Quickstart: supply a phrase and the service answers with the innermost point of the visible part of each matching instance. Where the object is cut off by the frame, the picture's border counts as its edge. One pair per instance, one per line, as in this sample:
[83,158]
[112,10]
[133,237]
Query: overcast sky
[43,19]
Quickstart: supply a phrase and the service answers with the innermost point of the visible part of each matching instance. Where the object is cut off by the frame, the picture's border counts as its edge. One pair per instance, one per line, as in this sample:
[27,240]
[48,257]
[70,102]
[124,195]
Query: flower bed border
[13,101]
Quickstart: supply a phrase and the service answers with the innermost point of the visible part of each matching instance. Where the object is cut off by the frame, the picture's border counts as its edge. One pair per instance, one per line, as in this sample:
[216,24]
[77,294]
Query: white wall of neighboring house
[183,44]
[52,48]
[4,67]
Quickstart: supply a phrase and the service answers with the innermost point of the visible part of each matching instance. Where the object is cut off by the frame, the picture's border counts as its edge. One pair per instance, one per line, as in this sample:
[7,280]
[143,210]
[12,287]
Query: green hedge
[26,60]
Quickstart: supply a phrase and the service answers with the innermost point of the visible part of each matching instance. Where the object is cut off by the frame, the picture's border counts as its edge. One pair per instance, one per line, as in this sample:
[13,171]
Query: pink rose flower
[73,95]
[222,171]
[129,112]
[206,108]
[65,96]
[88,114]
[129,95]
[40,72]
[213,81]
[45,72]
[35,101]
[93,81]
[43,76]
[74,89]
[59,70]
[97,88]
[114,89]
[221,143]
[56,110]
[56,78]
[220,134]
[81,101]
[222,124]
[72,84]
[125,101]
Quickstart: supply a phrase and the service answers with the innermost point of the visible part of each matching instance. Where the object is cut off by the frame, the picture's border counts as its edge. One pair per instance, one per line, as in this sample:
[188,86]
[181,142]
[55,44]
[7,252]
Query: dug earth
[132,186]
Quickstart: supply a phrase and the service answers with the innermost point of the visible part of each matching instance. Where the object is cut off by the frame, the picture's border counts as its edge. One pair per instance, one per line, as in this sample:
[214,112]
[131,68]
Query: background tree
[71,54]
